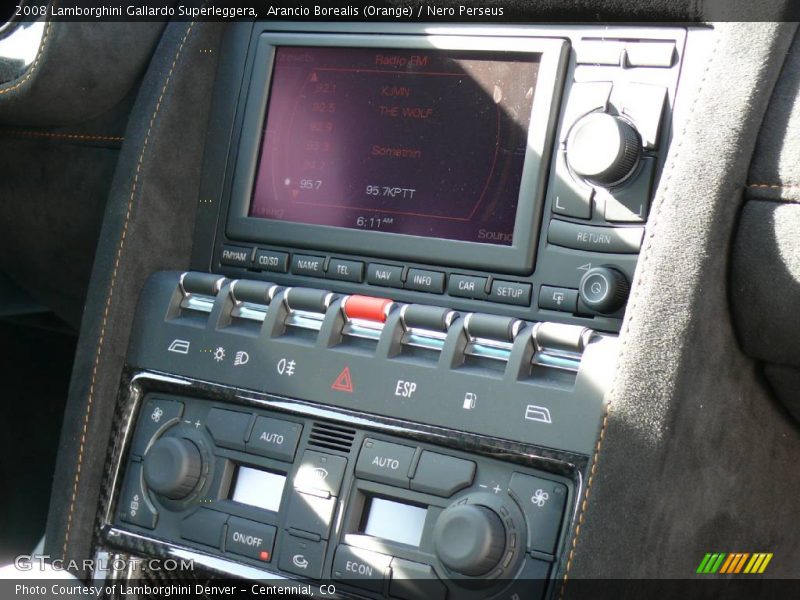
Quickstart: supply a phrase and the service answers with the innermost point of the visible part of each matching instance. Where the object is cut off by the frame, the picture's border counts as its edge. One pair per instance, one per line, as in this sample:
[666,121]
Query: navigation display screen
[421,142]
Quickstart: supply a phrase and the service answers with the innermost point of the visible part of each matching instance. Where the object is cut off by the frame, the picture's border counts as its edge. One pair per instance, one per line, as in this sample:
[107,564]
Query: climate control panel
[328,501]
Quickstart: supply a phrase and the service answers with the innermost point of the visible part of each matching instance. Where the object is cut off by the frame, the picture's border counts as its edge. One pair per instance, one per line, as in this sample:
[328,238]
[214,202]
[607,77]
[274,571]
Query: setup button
[511,292]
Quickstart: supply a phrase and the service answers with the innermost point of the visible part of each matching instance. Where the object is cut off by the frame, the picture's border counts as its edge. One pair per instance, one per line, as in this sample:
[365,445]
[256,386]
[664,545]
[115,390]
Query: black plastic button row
[243,537]
[273,438]
[436,473]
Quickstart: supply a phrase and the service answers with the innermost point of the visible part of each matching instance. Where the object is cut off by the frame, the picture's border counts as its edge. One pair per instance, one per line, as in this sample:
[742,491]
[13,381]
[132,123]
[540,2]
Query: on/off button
[251,539]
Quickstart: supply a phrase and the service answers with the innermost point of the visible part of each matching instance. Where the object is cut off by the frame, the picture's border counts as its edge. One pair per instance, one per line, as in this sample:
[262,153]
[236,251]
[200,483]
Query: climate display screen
[421,142]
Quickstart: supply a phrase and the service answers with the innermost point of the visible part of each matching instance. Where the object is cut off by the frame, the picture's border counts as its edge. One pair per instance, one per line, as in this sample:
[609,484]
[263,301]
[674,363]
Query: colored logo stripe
[734,563]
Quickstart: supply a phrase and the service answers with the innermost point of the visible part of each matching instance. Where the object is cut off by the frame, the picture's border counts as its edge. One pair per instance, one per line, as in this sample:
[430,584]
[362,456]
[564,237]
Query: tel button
[364,569]
[345,270]
[251,539]
[385,462]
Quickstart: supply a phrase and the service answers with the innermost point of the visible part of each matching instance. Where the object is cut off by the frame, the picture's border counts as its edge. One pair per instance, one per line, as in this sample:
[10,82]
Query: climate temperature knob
[172,467]
[604,289]
[469,539]
[603,149]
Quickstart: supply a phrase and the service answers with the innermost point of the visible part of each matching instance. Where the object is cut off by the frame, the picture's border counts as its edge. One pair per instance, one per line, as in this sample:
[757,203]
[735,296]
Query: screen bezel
[515,258]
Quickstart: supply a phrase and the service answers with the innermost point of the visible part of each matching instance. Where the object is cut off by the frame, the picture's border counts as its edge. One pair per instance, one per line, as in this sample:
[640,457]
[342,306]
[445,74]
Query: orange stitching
[35,64]
[623,335]
[111,289]
[69,136]
[774,186]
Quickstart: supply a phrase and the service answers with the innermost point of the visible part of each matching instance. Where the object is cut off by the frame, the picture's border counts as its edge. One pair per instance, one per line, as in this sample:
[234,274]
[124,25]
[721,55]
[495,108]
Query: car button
[361,568]
[251,539]
[467,286]
[413,580]
[442,475]
[511,292]
[156,414]
[228,428]
[320,472]
[274,438]
[425,281]
[542,501]
[384,462]
[204,527]
[301,556]
[135,507]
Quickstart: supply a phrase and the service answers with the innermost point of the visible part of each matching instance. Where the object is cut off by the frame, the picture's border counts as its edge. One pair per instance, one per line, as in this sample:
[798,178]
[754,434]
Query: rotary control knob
[172,467]
[604,289]
[469,539]
[603,149]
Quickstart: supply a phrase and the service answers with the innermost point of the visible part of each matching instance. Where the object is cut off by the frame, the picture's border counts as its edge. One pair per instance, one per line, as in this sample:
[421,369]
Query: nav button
[386,275]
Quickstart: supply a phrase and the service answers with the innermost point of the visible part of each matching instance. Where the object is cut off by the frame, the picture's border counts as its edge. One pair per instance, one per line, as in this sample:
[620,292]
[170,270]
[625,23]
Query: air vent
[332,437]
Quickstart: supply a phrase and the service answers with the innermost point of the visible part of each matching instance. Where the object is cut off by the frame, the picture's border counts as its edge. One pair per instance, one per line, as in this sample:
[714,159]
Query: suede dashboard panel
[147,227]
[81,70]
[696,456]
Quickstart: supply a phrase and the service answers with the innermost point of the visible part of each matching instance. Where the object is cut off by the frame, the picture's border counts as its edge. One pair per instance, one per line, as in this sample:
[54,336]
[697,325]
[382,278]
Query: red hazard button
[343,383]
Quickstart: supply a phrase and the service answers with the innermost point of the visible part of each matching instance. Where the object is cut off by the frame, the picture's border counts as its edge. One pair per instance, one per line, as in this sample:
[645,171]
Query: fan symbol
[539,498]
[219,354]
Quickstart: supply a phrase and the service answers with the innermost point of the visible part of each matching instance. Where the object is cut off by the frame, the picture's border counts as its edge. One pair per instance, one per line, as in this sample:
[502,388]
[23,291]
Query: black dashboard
[414,309]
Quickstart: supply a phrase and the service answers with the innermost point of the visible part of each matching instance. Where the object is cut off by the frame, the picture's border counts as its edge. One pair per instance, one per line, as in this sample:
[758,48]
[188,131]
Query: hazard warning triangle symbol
[343,383]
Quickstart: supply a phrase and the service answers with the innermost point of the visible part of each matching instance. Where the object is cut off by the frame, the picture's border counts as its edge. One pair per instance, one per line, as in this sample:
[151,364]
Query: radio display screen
[427,143]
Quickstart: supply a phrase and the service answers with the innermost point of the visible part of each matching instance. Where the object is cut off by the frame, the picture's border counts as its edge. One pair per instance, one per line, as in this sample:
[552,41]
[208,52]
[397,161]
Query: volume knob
[603,149]
[604,289]
[172,467]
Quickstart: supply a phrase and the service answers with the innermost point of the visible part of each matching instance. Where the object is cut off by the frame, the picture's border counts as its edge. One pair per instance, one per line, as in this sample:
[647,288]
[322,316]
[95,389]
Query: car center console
[388,365]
